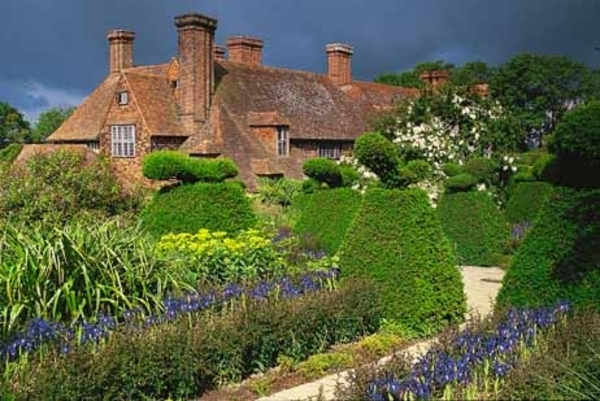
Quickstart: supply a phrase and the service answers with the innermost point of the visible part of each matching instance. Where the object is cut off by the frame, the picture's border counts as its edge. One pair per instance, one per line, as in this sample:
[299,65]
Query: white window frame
[122,141]
[283,141]
[123,98]
[330,150]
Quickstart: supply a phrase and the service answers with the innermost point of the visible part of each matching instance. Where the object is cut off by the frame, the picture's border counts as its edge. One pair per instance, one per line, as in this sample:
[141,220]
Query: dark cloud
[61,44]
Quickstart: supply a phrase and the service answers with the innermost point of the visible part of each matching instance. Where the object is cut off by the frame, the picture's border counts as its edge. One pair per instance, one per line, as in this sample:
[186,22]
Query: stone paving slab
[481,287]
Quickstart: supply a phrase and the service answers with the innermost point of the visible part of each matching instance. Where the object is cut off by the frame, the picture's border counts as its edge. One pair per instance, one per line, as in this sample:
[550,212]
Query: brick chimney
[120,45]
[435,79]
[339,58]
[196,34]
[245,49]
[219,52]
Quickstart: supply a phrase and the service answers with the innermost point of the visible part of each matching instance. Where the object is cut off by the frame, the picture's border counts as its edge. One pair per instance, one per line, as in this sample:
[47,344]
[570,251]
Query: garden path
[481,287]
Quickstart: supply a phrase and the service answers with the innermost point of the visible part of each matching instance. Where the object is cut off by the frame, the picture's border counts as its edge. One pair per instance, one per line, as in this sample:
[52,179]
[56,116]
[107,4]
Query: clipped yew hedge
[190,207]
[397,241]
[560,257]
[525,202]
[327,215]
[476,227]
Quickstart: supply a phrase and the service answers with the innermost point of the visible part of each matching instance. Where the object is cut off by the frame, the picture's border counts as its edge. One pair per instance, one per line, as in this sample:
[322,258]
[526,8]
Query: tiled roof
[87,120]
[156,101]
[310,104]
[151,91]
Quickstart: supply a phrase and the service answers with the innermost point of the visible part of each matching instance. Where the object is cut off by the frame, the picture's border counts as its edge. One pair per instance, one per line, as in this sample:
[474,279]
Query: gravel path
[481,286]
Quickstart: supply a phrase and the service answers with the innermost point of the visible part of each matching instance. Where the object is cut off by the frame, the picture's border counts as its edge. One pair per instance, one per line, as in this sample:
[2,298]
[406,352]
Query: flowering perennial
[40,331]
[470,352]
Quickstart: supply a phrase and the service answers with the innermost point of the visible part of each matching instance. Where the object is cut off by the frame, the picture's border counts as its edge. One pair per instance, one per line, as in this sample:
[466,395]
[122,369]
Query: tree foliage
[49,121]
[13,126]
[539,89]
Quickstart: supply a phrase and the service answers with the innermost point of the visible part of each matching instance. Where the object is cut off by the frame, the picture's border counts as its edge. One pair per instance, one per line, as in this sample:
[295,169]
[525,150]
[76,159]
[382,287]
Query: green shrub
[415,171]
[217,258]
[323,170]
[191,207]
[169,164]
[397,241]
[212,170]
[310,186]
[541,165]
[350,176]
[60,186]
[10,153]
[576,143]
[328,215]
[379,155]
[452,169]
[476,227]
[166,165]
[482,168]
[185,358]
[74,272]
[524,174]
[461,182]
[525,202]
[278,191]
[560,257]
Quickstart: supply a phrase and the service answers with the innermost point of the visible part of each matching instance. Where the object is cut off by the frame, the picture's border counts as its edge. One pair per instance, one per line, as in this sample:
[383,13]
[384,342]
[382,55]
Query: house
[268,120]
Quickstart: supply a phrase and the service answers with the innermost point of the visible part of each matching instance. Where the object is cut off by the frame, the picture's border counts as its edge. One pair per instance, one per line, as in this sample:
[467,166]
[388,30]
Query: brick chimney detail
[196,33]
[245,49]
[219,52]
[120,45]
[339,58]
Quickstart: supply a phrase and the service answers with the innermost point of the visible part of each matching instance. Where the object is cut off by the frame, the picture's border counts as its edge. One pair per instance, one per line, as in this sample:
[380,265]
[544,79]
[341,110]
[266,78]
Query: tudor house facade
[268,120]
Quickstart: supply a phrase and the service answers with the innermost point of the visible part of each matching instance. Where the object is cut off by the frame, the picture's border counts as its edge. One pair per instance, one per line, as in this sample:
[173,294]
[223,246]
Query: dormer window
[283,141]
[123,98]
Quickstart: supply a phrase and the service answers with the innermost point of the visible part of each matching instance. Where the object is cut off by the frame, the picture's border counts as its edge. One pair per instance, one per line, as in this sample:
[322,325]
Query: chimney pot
[339,60]
[219,52]
[435,79]
[120,43]
[245,49]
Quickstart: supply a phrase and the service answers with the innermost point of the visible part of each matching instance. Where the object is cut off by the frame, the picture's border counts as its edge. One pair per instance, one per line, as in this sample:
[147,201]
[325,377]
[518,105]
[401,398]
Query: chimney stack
[120,44]
[196,34]
[219,53]
[245,49]
[339,58]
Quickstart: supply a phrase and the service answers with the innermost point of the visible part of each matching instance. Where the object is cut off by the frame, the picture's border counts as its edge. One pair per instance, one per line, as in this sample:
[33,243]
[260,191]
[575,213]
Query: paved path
[481,286]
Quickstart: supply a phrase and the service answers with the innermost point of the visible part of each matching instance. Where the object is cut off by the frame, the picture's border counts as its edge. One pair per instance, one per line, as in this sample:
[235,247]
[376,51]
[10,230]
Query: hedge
[186,358]
[576,144]
[323,170]
[397,241]
[379,155]
[191,207]
[476,227]
[525,202]
[560,257]
[328,215]
[169,164]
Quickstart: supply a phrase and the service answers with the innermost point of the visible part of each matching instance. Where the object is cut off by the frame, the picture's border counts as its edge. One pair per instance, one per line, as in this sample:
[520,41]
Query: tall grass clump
[77,271]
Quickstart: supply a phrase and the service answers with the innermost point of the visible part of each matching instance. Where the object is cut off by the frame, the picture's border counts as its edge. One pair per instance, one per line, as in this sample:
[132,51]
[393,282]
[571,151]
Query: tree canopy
[539,89]
[49,121]
[13,126]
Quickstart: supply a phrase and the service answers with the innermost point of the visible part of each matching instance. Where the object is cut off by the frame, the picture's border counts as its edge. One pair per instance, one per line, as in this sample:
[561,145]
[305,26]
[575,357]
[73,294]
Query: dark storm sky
[54,52]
